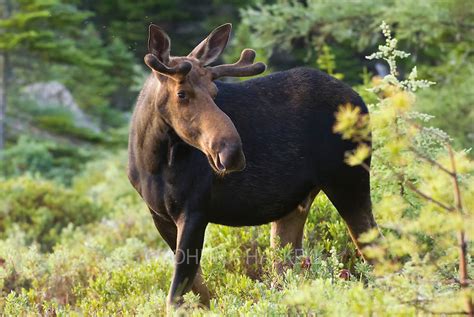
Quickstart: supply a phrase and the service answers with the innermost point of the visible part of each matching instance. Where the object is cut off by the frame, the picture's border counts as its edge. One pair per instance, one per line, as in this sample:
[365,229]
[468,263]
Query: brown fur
[188,134]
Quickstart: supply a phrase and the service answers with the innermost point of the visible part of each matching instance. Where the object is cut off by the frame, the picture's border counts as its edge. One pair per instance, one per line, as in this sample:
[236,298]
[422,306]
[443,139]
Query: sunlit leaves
[326,62]
[402,101]
[424,210]
[351,124]
[359,155]
[391,209]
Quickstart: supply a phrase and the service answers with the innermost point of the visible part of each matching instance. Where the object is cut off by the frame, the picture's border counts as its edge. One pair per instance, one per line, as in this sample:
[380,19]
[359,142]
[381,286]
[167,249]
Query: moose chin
[239,154]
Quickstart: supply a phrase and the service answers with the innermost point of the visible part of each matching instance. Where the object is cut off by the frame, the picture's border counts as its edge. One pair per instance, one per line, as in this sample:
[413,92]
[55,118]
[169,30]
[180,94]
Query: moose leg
[289,229]
[168,230]
[190,241]
[351,197]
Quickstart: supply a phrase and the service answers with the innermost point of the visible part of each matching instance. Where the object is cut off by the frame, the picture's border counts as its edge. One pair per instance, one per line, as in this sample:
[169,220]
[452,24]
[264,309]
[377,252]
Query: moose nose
[230,158]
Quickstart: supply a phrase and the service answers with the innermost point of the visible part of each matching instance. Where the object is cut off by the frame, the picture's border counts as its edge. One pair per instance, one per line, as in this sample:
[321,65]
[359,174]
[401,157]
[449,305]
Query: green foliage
[428,203]
[186,21]
[56,161]
[42,209]
[440,40]
[57,33]
[277,25]
[88,246]
[52,118]
[19,31]
[326,61]
[119,265]
[86,254]
[451,102]
[26,156]
[123,290]
[65,124]
[122,266]
[326,233]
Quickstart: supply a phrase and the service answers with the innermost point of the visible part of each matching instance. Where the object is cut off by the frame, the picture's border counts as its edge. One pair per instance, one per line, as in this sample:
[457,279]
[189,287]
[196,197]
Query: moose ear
[159,43]
[212,46]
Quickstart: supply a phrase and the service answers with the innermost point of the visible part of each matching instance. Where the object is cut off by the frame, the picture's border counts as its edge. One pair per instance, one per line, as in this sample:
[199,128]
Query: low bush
[64,125]
[42,209]
[60,162]
[92,249]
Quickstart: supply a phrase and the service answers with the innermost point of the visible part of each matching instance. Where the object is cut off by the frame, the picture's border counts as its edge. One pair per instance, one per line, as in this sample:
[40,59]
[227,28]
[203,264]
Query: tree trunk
[3,98]
[4,69]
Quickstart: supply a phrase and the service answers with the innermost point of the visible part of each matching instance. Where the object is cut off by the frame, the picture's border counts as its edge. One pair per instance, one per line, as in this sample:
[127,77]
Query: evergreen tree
[439,34]
[187,21]
[43,40]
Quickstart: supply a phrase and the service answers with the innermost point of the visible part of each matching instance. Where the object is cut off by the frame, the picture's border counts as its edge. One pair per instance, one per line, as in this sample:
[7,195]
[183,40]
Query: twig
[463,277]
[425,196]
[410,184]
[430,160]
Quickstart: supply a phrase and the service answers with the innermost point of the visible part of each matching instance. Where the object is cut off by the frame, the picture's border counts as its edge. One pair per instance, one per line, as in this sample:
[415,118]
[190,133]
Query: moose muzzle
[228,157]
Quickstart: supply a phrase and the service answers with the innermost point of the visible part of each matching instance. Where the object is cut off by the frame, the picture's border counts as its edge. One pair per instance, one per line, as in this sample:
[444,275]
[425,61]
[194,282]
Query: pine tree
[46,39]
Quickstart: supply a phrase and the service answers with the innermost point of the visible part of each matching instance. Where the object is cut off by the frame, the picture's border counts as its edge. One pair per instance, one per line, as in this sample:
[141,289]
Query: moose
[238,154]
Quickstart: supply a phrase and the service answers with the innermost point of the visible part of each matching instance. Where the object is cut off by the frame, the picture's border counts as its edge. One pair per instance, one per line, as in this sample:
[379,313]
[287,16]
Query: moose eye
[181,94]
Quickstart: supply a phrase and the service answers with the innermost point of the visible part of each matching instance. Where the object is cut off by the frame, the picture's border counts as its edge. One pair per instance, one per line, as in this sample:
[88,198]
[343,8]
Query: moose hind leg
[169,231]
[289,229]
[351,197]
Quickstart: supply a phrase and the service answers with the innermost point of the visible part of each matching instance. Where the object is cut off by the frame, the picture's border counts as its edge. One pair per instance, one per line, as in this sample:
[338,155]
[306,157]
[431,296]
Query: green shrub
[100,255]
[325,231]
[55,119]
[19,305]
[105,265]
[106,180]
[128,289]
[42,209]
[425,206]
[56,161]
[26,156]
[451,103]
[64,125]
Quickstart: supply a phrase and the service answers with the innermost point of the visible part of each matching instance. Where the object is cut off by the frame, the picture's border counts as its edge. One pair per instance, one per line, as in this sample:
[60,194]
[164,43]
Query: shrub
[26,156]
[97,275]
[118,265]
[129,289]
[64,125]
[53,118]
[56,161]
[42,209]
[425,207]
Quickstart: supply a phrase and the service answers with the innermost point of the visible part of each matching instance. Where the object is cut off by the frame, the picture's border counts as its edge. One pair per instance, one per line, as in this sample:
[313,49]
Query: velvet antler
[159,54]
[242,68]
[179,70]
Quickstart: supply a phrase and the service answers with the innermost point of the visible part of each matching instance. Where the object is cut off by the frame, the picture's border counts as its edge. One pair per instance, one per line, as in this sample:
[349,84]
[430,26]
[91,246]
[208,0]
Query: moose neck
[154,139]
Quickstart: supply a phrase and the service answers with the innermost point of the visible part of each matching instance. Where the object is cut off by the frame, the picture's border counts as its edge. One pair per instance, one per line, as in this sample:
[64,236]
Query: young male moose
[238,154]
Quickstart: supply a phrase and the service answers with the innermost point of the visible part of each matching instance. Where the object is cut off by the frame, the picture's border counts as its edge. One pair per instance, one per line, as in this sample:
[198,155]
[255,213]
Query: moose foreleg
[191,229]
[168,230]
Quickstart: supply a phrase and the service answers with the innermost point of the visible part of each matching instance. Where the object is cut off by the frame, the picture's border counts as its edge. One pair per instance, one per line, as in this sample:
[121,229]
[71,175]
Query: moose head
[186,92]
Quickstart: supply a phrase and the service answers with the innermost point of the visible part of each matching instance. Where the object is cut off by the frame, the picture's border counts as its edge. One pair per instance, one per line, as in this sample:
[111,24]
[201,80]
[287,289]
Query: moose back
[238,154]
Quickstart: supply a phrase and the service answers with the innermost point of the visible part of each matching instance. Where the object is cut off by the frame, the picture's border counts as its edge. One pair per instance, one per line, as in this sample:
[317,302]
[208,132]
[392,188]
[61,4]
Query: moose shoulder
[203,151]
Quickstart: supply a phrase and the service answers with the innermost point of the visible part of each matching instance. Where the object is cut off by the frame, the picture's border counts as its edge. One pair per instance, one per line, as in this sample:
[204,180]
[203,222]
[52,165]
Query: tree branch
[463,276]
[430,160]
